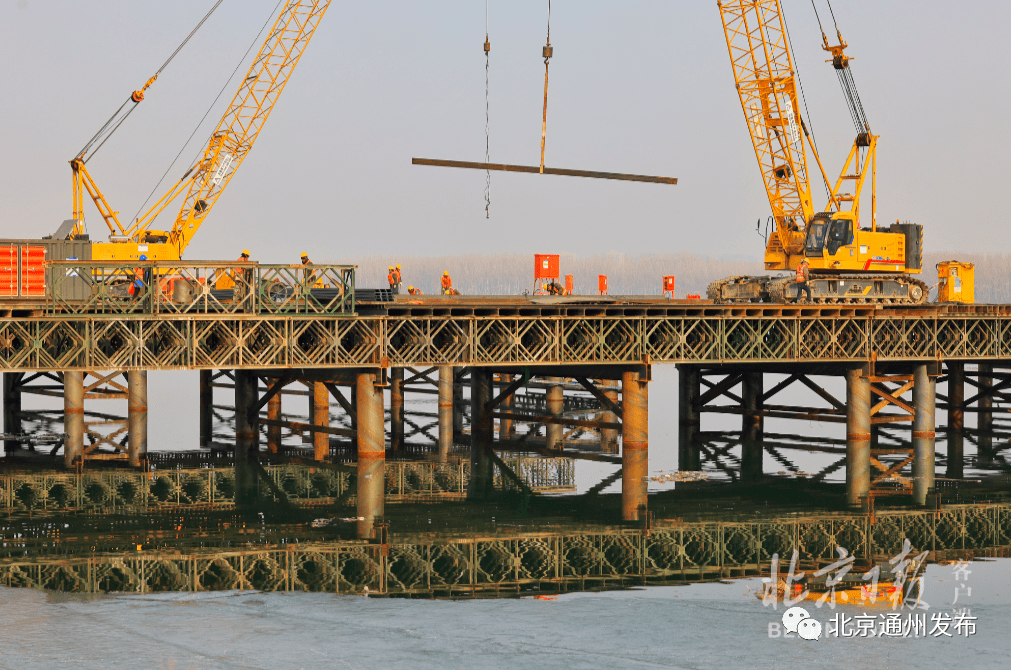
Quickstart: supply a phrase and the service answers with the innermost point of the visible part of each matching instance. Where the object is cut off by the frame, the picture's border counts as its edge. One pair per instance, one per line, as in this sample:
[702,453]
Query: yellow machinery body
[956,282]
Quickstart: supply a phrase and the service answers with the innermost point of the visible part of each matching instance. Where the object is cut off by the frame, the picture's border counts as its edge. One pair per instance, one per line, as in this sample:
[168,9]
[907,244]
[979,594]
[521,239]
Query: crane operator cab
[828,234]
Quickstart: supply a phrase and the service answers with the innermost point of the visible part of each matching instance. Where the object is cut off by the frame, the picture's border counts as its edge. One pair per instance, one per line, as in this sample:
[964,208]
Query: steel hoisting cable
[115,121]
[547,52]
[204,118]
[847,83]
[192,33]
[487,136]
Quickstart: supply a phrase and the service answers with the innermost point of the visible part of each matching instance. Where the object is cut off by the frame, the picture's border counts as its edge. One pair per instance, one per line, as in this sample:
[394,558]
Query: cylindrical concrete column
[12,407]
[446,397]
[609,436]
[137,416]
[206,408]
[956,418]
[73,416]
[371,453]
[858,435]
[396,409]
[481,434]
[752,423]
[247,443]
[634,445]
[321,417]
[246,396]
[555,402]
[506,426]
[274,432]
[984,422]
[689,421]
[924,399]
[458,404]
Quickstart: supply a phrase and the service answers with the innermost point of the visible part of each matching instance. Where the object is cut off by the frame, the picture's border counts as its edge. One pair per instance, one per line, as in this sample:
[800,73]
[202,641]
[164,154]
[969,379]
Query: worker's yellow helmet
[245,252]
[391,267]
[398,267]
[305,255]
[446,273]
[410,288]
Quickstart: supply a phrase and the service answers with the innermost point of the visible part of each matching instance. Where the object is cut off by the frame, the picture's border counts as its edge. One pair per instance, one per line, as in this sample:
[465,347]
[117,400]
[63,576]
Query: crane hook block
[548,51]
[487,45]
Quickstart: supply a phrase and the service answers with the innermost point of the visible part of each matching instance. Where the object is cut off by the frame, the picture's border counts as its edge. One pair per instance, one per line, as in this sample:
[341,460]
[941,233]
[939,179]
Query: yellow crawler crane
[228,146]
[850,261]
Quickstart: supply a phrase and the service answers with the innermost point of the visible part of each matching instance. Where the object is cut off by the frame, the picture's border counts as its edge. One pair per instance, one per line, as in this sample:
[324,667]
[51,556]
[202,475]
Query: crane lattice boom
[763,70]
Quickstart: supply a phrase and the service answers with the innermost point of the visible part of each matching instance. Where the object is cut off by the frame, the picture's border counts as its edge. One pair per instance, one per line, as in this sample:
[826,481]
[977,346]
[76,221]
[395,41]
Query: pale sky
[640,86]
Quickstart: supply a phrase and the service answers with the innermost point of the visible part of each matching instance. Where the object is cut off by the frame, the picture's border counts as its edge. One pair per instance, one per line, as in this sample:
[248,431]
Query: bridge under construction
[270,335]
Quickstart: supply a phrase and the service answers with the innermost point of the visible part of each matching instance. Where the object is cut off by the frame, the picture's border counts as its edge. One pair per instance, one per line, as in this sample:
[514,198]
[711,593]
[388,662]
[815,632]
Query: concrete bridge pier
[985,453]
[689,423]
[247,436]
[446,413]
[458,403]
[858,435]
[481,434]
[396,409]
[956,418]
[206,408]
[555,403]
[506,427]
[73,417]
[371,452]
[752,427]
[274,431]
[924,399]
[137,416]
[319,405]
[609,436]
[634,445]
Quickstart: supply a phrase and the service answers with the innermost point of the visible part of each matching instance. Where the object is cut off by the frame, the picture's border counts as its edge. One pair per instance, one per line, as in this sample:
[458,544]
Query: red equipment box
[668,284]
[602,284]
[33,271]
[8,270]
[568,284]
[546,266]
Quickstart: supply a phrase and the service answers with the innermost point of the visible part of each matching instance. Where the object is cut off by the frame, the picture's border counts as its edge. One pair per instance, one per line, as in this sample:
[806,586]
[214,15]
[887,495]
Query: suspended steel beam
[535,169]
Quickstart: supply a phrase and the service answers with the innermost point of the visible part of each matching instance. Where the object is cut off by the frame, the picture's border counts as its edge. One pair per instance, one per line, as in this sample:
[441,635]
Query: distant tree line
[627,274]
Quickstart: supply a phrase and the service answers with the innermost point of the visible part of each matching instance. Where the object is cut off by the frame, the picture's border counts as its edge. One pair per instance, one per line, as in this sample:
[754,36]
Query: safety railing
[175,287]
[306,289]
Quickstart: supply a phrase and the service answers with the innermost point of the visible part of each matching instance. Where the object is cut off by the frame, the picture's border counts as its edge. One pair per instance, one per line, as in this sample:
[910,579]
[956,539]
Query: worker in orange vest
[399,278]
[803,275]
[447,283]
[391,277]
[140,278]
[554,288]
[308,273]
[414,291]
[242,274]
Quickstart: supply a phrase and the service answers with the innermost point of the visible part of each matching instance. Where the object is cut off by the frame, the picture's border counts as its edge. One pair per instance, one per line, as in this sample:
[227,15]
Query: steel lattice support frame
[877,397]
[706,335]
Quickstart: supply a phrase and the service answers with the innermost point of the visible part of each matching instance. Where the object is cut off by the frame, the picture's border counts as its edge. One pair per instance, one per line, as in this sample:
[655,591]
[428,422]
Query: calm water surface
[713,625]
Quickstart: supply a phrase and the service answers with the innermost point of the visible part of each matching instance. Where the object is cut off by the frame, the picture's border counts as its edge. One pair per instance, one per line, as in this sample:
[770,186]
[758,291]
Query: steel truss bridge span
[495,334]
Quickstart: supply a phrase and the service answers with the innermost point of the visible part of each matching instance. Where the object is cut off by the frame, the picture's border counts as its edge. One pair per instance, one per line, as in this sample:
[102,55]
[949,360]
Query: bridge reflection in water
[175,535]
